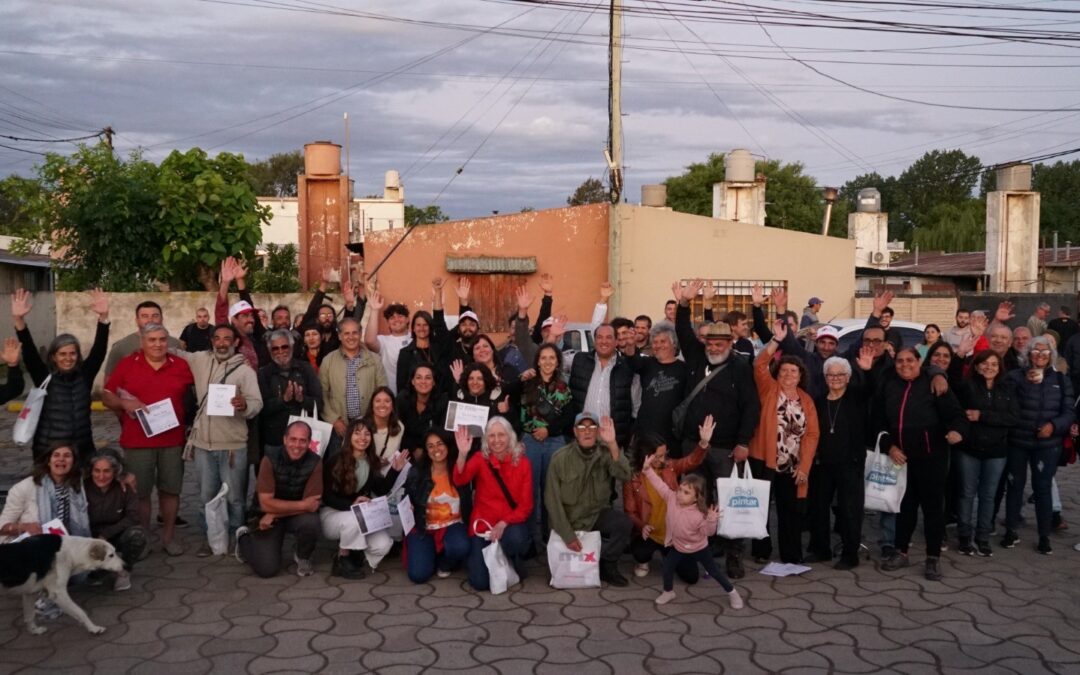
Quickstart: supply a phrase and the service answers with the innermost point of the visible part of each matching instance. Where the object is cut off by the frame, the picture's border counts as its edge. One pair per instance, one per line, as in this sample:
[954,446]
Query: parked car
[911,332]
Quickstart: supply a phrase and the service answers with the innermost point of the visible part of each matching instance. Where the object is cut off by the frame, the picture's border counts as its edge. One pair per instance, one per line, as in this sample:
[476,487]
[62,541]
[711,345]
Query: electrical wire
[52,140]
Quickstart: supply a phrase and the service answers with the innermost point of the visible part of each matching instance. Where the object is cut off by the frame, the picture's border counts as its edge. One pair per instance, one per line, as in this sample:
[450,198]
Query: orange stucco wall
[569,243]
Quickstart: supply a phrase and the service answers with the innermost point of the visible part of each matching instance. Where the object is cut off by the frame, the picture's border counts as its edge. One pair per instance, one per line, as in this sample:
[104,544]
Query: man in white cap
[825,343]
[241,315]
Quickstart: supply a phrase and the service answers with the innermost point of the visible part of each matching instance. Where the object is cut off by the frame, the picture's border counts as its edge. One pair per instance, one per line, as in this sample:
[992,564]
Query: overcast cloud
[171,74]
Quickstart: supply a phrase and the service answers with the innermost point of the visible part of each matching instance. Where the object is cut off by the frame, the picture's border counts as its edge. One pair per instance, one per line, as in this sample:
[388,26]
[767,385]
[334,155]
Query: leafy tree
[692,191]
[938,177]
[591,191]
[954,228]
[428,215]
[208,212]
[275,176]
[280,272]
[1059,188]
[17,196]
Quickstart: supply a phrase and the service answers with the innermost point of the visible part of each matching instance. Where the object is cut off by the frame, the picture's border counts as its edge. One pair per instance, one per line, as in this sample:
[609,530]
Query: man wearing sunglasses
[288,386]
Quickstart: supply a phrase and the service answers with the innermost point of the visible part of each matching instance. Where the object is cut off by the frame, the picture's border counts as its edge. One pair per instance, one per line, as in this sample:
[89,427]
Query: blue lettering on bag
[743,502]
[881,477]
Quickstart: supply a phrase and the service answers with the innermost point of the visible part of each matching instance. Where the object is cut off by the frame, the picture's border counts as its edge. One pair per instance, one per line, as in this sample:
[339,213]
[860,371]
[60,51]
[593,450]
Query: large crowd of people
[626,439]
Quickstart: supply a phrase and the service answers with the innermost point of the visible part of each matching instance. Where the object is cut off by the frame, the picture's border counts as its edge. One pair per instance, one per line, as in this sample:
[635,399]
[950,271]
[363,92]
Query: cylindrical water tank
[393,179]
[739,166]
[869,201]
[654,195]
[322,158]
[1014,178]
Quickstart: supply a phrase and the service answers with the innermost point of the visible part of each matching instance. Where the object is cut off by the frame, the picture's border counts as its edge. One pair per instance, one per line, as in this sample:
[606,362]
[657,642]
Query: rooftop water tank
[322,158]
[654,195]
[869,201]
[739,167]
[393,179]
[1014,178]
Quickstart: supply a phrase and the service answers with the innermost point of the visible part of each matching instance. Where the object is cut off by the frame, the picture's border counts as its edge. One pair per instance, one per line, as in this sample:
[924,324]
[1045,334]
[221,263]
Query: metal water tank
[654,195]
[322,158]
[1014,178]
[393,180]
[739,166]
[869,201]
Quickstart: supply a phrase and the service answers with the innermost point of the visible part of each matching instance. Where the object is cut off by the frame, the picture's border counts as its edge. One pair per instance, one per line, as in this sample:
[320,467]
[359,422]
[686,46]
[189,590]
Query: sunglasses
[280,348]
[586,427]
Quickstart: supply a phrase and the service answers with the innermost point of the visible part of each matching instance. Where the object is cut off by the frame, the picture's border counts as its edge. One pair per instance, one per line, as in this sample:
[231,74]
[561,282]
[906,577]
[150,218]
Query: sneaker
[44,608]
[1057,523]
[735,568]
[734,599]
[944,545]
[1010,540]
[1044,546]
[123,581]
[984,549]
[343,567]
[665,597]
[240,532]
[641,570]
[1076,547]
[173,549]
[204,551]
[966,548]
[443,574]
[897,561]
[933,572]
[304,567]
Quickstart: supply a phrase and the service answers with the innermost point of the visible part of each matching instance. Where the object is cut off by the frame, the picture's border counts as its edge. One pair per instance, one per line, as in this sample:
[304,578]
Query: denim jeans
[539,454]
[213,468]
[422,560]
[515,543]
[978,478]
[1043,467]
[887,522]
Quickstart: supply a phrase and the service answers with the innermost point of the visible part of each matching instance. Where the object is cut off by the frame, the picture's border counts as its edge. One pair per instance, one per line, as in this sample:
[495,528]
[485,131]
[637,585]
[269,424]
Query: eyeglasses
[836,375]
[585,427]
[1041,352]
[279,348]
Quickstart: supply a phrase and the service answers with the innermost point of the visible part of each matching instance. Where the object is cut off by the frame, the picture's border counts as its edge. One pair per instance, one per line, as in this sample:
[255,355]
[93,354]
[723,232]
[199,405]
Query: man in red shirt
[147,377]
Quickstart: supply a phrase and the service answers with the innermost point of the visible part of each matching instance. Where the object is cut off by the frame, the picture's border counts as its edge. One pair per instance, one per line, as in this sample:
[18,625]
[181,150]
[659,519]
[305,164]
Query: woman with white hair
[113,510]
[1046,414]
[502,496]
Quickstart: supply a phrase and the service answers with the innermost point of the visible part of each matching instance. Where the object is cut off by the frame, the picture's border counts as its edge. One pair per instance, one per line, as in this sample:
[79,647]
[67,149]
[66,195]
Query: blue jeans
[515,543]
[978,478]
[539,454]
[212,467]
[1043,467]
[887,521]
[422,559]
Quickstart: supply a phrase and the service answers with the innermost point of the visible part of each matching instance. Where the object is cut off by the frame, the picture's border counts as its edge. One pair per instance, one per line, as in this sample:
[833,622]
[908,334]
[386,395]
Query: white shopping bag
[321,432]
[27,421]
[570,569]
[501,573]
[884,482]
[217,522]
[744,505]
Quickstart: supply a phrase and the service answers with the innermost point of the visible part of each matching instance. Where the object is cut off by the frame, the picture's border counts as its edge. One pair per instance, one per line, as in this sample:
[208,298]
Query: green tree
[591,191]
[276,175]
[1059,188]
[17,197]
[428,215]
[938,177]
[954,227]
[280,272]
[208,212]
[691,192]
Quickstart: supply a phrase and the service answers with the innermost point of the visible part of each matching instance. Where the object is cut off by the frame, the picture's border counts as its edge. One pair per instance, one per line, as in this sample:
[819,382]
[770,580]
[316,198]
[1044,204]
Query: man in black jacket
[288,386]
[730,396]
[600,382]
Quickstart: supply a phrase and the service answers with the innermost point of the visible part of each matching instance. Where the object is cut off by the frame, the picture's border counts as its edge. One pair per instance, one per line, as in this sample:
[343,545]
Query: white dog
[46,562]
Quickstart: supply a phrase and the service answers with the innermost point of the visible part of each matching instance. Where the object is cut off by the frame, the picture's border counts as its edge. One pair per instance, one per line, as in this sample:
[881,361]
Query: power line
[52,140]
[29,152]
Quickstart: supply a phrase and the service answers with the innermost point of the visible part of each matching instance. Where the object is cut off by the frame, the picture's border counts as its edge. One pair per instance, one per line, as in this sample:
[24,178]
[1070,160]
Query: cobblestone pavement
[1015,612]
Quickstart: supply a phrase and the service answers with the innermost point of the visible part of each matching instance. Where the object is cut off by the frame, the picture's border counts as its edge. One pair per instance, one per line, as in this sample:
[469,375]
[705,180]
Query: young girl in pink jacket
[688,525]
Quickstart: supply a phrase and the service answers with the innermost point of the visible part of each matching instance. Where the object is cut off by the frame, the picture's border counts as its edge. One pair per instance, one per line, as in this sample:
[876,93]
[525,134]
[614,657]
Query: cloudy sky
[517,93]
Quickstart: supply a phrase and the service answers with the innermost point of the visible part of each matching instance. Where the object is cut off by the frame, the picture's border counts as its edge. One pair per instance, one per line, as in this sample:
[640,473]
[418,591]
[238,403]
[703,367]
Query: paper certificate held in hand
[474,417]
[373,515]
[157,417]
[219,400]
[405,512]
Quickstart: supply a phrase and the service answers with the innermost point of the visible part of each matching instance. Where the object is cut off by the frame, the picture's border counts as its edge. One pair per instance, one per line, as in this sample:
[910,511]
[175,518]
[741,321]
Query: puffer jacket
[914,419]
[1049,401]
[622,404]
[999,411]
[65,414]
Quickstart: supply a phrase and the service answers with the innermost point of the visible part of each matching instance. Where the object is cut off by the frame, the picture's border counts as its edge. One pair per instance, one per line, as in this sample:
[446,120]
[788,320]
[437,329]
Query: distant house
[31,271]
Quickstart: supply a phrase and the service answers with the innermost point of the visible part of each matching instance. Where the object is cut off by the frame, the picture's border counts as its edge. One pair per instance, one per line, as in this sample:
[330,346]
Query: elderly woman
[663,386]
[53,491]
[784,444]
[1046,414]
[439,543]
[65,412]
[502,497]
[113,510]
[838,464]
[919,427]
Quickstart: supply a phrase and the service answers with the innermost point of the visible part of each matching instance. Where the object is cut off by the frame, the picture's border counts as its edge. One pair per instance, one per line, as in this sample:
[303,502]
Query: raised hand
[558,327]
[328,274]
[362,286]
[504,405]
[462,289]
[706,429]
[228,271]
[348,294]
[881,301]
[648,463]
[437,285]
[399,460]
[21,304]
[524,299]
[464,443]
[779,299]
[376,302]
[780,330]
[606,291]
[99,303]
[547,283]
[607,431]
[708,292]
[865,360]
[967,344]
[241,270]
[12,351]
[757,294]
[456,369]
[1004,312]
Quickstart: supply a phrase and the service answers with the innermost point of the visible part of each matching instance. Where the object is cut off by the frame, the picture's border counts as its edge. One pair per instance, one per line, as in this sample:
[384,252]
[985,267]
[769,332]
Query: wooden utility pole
[108,131]
[615,154]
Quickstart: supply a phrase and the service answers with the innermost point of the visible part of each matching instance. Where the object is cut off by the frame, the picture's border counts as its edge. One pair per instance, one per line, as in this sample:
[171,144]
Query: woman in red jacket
[502,496]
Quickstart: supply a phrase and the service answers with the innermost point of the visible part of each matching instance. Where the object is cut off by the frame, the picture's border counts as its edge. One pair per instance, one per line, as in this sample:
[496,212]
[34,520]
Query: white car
[911,332]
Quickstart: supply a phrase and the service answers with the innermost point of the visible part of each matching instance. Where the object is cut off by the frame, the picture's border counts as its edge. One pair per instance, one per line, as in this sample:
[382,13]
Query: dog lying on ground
[46,562]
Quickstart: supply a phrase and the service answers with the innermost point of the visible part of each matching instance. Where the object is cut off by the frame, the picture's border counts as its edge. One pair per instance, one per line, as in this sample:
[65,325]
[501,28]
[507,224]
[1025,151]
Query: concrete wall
[284,227]
[650,248]
[569,243]
[939,310]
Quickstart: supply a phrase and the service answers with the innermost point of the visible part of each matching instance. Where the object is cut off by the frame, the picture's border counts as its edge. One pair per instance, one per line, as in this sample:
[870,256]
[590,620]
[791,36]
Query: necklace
[832,415]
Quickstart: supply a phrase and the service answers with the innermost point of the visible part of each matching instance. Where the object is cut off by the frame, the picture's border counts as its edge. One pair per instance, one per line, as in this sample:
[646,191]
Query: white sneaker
[641,570]
[304,568]
[1076,548]
[442,574]
[123,581]
[735,599]
[665,597]
[240,532]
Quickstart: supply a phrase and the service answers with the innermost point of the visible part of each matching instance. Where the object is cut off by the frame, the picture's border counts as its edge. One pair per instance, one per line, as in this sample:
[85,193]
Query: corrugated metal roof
[484,264]
[31,260]
[973,263]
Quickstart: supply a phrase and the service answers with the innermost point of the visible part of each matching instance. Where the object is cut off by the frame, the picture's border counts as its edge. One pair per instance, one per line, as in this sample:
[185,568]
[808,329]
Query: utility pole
[614,149]
[108,131]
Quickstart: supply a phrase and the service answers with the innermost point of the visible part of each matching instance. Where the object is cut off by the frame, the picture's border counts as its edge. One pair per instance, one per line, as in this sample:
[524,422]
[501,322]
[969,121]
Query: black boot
[609,572]
[734,566]
[346,568]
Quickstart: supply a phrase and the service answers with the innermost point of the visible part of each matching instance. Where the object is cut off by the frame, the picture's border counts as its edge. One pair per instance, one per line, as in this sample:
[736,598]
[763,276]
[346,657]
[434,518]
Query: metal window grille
[735,294]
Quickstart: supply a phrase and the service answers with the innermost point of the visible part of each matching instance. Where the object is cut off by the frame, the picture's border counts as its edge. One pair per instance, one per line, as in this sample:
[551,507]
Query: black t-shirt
[197,339]
[663,387]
